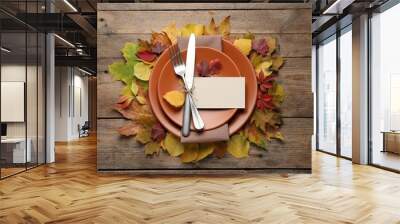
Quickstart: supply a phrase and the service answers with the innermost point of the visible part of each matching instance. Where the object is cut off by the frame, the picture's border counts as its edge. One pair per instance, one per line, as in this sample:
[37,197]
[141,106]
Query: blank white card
[219,92]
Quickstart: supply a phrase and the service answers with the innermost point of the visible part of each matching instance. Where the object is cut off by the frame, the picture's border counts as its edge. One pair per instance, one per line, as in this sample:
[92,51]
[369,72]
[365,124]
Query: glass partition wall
[385,89]
[334,94]
[22,88]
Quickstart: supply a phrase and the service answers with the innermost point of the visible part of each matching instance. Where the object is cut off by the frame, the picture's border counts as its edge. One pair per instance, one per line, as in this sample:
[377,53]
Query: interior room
[228,111]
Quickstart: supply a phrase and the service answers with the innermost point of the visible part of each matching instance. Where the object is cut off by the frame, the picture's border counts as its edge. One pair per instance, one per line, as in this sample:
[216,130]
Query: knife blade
[190,61]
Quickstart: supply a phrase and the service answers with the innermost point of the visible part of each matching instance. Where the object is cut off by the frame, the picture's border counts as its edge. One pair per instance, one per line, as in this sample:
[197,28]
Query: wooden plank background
[290,23]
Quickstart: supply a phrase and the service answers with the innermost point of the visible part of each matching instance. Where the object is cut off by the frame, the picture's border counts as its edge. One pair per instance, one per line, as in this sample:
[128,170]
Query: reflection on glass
[327,96]
[346,93]
[385,84]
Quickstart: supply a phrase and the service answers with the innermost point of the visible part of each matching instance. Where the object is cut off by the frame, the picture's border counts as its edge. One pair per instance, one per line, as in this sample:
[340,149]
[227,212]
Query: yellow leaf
[143,135]
[197,29]
[255,136]
[271,42]
[277,62]
[173,145]
[244,45]
[264,67]
[190,153]
[134,87]
[238,146]
[224,27]
[175,98]
[142,71]
[172,32]
[141,99]
[151,148]
[211,29]
[204,151]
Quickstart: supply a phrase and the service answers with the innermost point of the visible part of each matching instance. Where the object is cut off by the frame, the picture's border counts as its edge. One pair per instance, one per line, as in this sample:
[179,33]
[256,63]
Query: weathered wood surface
[295,75]
[116,152]
[290,23]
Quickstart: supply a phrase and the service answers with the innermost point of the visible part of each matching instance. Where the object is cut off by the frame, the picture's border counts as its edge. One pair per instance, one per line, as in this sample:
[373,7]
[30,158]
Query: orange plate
[169,81]
[242,115]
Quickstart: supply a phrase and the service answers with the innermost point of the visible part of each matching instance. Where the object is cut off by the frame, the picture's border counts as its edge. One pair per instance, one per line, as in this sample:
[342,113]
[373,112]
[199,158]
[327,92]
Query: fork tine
[180,57]
[172,56]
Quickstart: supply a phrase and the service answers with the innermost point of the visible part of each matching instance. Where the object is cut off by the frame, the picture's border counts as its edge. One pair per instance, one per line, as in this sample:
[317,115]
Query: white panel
[12,101]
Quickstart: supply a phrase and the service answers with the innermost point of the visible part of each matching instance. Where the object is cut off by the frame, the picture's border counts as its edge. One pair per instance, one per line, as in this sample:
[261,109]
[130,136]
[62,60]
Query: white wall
[71,94]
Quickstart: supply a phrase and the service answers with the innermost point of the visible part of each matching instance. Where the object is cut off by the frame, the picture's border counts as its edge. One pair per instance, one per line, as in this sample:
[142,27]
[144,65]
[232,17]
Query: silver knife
[190,107]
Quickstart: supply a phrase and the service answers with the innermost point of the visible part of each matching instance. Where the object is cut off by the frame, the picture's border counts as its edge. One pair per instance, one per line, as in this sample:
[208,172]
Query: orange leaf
[211,29]
[130,129]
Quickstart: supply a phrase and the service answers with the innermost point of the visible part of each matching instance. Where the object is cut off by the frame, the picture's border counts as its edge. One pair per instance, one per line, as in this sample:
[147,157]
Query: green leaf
[129,52]
[142,71]
[121,71]
[238,146]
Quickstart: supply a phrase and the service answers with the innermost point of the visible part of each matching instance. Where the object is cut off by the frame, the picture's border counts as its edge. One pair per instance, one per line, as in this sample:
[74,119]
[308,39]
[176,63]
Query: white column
[360,90]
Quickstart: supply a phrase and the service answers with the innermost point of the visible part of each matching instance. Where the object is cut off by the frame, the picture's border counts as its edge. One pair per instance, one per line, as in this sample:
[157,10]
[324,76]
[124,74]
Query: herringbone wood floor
[70,191]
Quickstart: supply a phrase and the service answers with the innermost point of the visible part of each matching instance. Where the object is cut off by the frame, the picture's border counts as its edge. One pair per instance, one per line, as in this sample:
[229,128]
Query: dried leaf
[197,29]
[161,38]
[248,35]
[255,136]
[214,66]
[146,56]
[202,68]
[129,52]
[158,132]
[129,129]
[211,29]
[260,46]
[134,87]
[238,146]
[244,45]
[124,101]
[272,45]
[173,145]
[265,119]
[220,149]
[143,135]
[158,48]
[152,148]
[277,63]
[224,27]
[264,67]
[190,154]
[144,45]
[141,99]
[142,71]
[172,32]
[121,71]
[138,113]
[255,59]
[204,151]
[175,98]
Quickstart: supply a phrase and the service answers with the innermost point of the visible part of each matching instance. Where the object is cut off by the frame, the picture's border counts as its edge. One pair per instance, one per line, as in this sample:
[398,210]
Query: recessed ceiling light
[5,50]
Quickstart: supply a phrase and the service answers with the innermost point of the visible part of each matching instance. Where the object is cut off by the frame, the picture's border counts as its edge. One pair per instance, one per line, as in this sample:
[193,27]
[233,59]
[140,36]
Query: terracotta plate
[169,81]
[242,115]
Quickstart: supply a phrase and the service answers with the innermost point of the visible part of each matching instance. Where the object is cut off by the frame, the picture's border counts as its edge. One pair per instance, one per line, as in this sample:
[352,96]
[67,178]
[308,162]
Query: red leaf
[214,66]
[158,132]
[264,101]
[202,68]
[146,56]
[124,102]
[260,46]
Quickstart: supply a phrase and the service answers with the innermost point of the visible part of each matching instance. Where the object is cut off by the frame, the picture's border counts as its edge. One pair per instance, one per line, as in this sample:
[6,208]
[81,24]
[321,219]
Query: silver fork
[179,68]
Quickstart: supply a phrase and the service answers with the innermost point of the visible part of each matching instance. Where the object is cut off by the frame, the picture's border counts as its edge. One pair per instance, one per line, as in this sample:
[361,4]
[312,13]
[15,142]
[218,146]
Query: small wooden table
[391,141]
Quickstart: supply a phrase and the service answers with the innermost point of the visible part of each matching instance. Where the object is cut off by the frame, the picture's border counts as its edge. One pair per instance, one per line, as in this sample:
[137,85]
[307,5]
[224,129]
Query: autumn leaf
[204,151]
[142,71]
[265,119]
[143,135]
[215,66]
[206,69]
[144,45]
[141,99]
[121,71]
[134,87]
[272,45]
[173,145]
[138,113]
[277,63]
[190,153]
[260,46]
[146,56]
[197,29]
[211,29]
[158,48]
[158,132]
[175,98]
[161,38]
[124,101]
[238,146]
[224,27]
[248,35]
[255,136]
[278,93]
[130,129]
[220,149]
[255,59]
[172,32]
[264,67]
[152,148]
[244,45]
[129,52]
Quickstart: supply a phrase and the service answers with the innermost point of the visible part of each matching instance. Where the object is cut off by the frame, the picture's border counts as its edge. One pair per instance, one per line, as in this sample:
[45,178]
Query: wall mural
[135,71]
